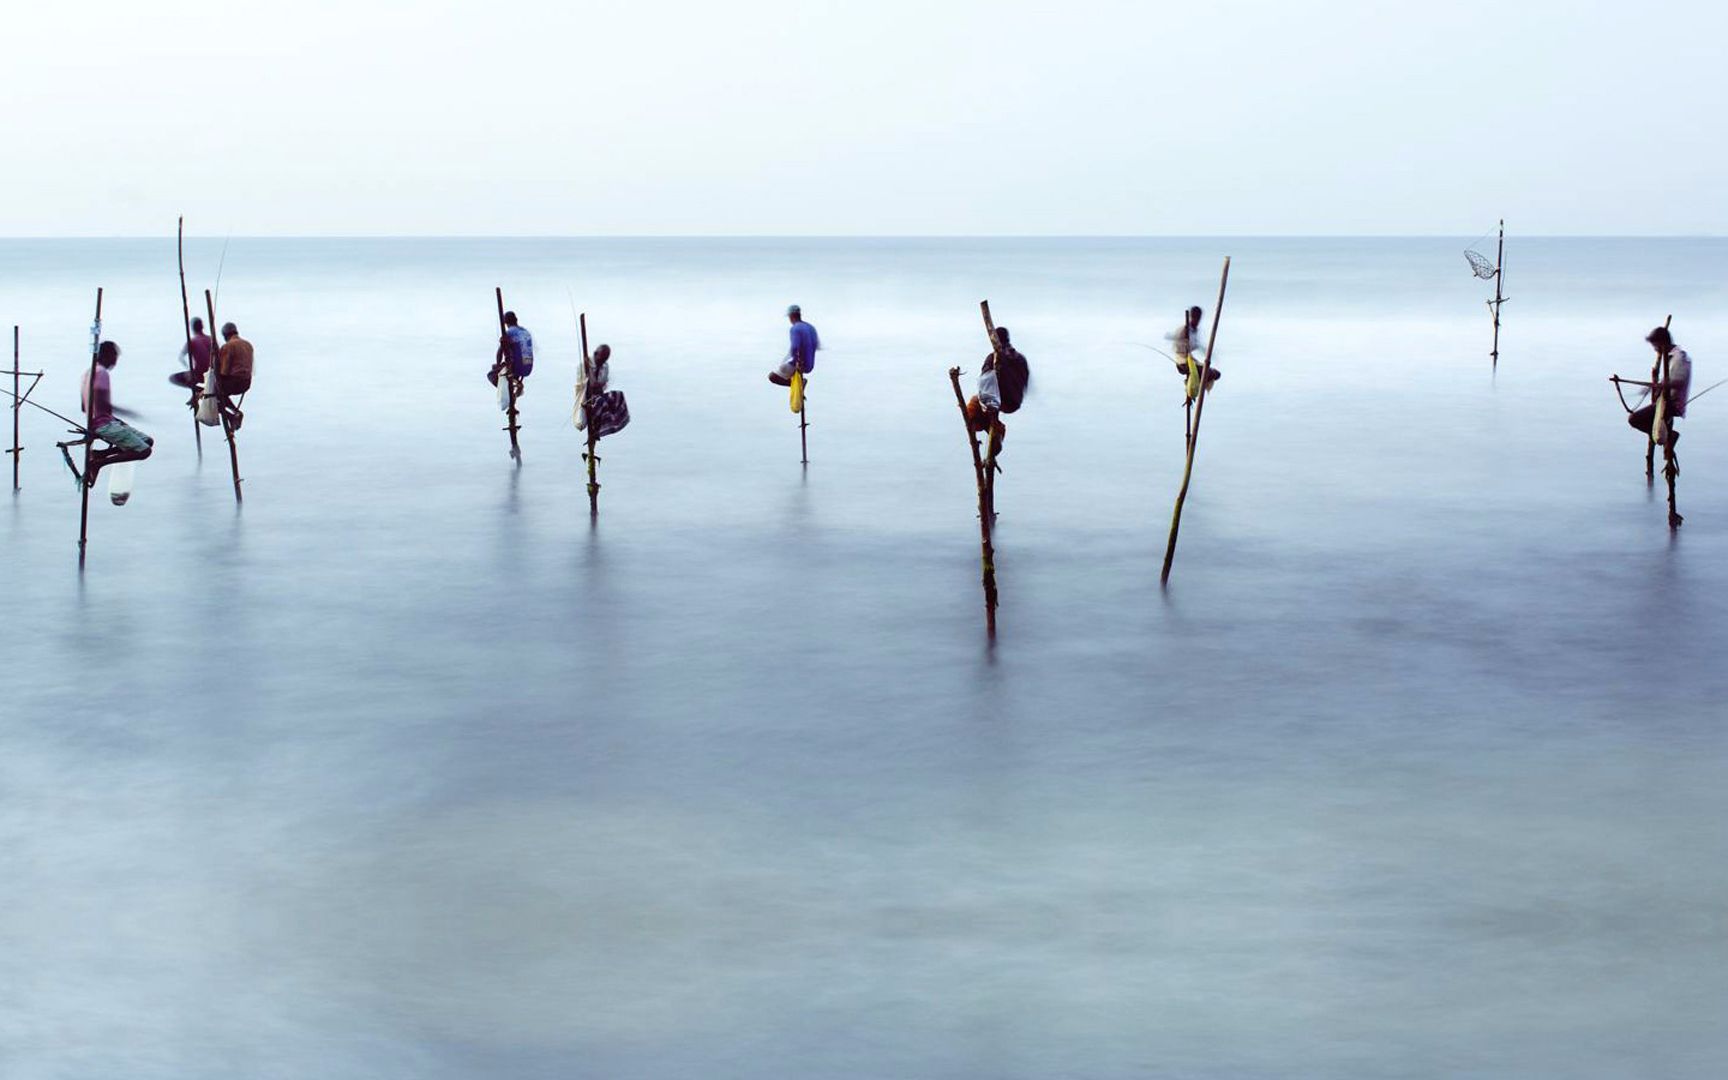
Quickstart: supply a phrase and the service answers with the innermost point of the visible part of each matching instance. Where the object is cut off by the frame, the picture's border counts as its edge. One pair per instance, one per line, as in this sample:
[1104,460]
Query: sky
[945,117]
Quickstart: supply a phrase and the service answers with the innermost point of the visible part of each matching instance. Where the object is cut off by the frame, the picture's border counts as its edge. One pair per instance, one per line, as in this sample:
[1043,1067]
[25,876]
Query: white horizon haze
[1093,118]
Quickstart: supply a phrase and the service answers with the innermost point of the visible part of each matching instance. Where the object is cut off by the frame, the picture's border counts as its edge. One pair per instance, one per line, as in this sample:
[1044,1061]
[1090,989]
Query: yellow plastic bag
[797,391]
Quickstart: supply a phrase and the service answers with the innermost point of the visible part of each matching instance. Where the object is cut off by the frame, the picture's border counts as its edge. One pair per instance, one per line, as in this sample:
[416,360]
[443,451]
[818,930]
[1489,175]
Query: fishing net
[1482,267]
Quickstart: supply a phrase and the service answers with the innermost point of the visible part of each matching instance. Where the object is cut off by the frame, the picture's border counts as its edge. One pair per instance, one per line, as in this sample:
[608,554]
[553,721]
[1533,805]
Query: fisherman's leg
[1642,418]
[782,375]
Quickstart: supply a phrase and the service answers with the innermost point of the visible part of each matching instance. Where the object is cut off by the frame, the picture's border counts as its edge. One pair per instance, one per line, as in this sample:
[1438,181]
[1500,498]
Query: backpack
[1012,375]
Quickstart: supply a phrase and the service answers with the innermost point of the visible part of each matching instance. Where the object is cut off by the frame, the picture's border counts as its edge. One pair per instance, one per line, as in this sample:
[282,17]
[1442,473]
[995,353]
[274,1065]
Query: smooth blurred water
[406,769]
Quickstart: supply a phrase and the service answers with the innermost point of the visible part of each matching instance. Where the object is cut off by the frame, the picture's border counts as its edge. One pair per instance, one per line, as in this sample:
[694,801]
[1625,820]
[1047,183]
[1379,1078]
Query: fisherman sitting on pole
[1670,395]
[515,353]
[125,442]
[1001,389]
[233,373]
[801,356]
[1190,358]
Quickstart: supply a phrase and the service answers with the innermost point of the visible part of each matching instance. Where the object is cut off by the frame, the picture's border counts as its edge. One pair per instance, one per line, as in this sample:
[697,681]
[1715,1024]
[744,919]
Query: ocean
[407,768]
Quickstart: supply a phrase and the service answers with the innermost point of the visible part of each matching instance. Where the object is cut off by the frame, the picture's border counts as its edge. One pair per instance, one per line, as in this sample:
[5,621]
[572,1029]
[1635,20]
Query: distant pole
[508,373]
[89,430]
[186,319]
[1194,434]
[17,404]
[227,427]
[987,551]
[1499,277]
[588,419]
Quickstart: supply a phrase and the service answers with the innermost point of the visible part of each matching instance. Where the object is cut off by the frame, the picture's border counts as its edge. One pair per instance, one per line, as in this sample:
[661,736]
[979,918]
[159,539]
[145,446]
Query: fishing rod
[25,399]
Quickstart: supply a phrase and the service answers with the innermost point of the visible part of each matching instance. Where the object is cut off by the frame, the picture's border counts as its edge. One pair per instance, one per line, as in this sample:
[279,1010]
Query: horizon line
[856,236]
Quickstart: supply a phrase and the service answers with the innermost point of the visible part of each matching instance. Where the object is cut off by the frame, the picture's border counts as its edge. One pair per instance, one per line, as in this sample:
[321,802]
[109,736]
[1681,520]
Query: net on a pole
[1482,267]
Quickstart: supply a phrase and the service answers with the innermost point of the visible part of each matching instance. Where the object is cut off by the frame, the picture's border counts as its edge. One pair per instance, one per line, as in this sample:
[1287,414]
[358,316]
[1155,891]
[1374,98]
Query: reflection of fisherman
[1190,361]
[603,408]
[801,355]
[125,442]
[1670,394]
[515,352]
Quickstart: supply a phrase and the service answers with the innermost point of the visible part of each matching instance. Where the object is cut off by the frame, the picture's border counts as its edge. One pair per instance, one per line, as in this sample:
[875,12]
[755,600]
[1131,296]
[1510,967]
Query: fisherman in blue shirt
[803,350]
[515,349]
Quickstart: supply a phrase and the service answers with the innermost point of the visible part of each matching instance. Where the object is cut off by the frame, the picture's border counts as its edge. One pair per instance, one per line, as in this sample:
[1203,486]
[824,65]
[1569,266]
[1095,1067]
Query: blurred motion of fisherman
[1001,389]
[1190,361]
[801,356]
[125,442]
[195,355]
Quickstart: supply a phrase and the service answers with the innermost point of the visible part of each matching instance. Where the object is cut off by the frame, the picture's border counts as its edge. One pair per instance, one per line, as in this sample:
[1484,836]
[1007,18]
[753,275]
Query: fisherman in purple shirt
[802,354]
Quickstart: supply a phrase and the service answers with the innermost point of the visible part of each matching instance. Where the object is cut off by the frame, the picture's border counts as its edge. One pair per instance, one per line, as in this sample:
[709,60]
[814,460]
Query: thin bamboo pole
[1499,277]
[804,424]
[588,419]
[186,320]
[17,407]
[507,373]
[1650,450]
[1670,463]
[987,551]
[227,426]
[1194,434]
[89,431]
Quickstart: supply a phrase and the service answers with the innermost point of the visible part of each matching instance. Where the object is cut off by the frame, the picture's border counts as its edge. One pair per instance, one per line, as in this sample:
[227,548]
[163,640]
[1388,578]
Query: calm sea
[406,769]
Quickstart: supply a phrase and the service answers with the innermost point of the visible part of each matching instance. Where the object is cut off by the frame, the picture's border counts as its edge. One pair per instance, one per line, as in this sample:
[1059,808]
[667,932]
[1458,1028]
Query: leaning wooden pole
[227,425]
[89,430]
[988,552]
[508,372]
[588,419]
[1194,435]
[186,319]
[1499,297]
[1655,374]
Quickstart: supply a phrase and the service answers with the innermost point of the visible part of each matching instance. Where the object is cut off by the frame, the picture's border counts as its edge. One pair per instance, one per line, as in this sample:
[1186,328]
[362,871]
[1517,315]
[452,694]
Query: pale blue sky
[890,117]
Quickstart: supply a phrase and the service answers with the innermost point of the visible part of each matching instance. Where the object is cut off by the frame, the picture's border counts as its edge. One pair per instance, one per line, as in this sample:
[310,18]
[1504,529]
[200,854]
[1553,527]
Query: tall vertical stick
[988,552]
[1194,435]
[1650,450]
[804,424]
[17,404]
[509,372]
[588,418]
[1499,277]
[186,319]
[1670,464]
[227,426]
[89,429]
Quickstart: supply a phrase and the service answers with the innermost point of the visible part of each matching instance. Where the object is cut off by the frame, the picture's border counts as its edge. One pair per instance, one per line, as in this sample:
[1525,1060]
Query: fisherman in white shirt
[1677,388]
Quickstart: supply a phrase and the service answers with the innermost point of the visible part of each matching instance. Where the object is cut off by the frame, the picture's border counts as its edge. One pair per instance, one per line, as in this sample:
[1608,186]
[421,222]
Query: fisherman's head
[1002,335]
[794,314]
[602,354]
[1194,314]
[1660,339]
[509,318]
[197,324]
[229,331]
[107,354]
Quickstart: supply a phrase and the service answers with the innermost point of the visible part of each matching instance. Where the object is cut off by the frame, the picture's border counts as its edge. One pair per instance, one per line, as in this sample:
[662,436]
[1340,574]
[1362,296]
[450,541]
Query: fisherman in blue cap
[802,354]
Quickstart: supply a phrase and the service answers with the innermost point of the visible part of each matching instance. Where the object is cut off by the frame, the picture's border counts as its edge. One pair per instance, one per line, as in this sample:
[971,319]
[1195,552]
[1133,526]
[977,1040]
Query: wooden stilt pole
[227,427]
[508,373]
[17,405]
[1650,450]
[1194,433]
[804,424]
[590,456]
[1670,463]
[1499,298]
[89,430]
[186,319]
[988,552]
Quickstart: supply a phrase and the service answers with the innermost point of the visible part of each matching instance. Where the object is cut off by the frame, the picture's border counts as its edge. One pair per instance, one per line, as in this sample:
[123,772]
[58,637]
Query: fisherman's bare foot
[777,380]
